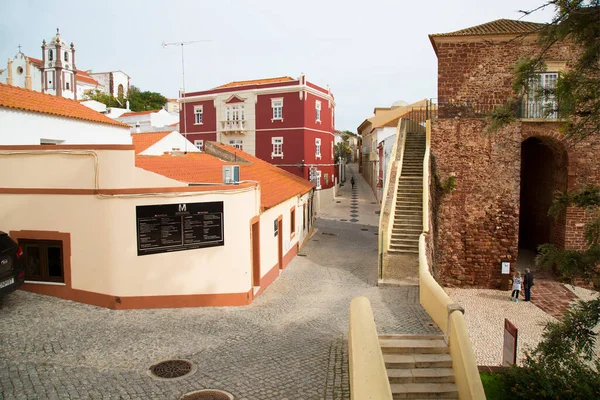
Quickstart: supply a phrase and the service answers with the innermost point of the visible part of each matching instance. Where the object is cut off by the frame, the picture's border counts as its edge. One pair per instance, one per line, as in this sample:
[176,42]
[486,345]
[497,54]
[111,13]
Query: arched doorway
[543,172]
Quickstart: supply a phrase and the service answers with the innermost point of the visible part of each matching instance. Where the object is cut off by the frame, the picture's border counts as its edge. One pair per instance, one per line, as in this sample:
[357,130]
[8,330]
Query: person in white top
[517,281]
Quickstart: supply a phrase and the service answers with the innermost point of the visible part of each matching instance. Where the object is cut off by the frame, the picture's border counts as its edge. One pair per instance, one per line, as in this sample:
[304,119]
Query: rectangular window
[541,100]
[199,144]
[293,221]
[315,177]
[66,56]
[277,105]
[237,143]
[318,148]
[43,260]
[67,85]
[197,115]
[318,110]
[234,113]
[275,227]
[277,143]
[332,152]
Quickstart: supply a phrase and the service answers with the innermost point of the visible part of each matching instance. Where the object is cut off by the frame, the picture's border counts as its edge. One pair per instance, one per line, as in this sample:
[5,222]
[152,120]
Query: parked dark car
[12,265]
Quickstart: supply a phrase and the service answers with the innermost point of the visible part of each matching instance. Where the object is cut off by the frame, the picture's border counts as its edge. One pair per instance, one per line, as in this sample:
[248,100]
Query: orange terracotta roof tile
[29,100]
[83,76]
[497,27]
[134,114]
[257,82]
[276,184]
[142,141]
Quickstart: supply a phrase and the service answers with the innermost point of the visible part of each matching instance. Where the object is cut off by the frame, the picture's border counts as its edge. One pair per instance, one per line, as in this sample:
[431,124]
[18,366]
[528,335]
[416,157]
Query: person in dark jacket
[527,284]
[352,182]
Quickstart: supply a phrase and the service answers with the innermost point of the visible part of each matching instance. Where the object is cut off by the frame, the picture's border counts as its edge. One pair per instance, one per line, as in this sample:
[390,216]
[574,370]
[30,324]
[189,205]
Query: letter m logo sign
[182,207]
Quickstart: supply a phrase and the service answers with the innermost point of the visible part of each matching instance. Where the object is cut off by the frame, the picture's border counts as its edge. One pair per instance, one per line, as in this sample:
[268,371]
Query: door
[255,234]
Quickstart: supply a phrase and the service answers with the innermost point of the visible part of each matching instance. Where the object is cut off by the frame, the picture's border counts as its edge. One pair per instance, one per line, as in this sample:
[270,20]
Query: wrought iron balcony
[234,126]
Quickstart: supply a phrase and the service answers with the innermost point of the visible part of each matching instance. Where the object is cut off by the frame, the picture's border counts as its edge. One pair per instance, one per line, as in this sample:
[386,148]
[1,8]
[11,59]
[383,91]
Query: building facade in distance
[285,121]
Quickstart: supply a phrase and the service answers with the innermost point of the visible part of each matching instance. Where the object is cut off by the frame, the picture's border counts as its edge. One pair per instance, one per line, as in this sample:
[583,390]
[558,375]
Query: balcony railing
[523,109]
[234,126]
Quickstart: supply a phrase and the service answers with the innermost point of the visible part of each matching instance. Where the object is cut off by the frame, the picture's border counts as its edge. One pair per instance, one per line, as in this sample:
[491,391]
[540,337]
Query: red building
[287,122]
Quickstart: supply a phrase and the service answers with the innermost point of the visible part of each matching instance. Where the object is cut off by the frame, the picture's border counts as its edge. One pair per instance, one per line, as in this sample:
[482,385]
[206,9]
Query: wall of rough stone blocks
[483,72]
[478,222]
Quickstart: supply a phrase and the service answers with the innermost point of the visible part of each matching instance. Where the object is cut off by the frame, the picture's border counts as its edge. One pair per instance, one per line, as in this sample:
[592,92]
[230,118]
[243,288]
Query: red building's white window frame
[198,110]
[277,106]
[277,143]
[237,143]
[318,111]
[199,143]
[318,147]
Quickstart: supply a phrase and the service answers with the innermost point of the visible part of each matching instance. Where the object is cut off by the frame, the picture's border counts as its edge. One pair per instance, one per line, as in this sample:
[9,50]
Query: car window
[6,242]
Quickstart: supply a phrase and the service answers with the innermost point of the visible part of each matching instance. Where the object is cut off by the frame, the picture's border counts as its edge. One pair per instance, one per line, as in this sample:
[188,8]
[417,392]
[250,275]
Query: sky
[371,53]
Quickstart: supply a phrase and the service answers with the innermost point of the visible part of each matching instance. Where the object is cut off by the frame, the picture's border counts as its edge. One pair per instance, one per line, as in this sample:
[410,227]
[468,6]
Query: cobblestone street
[290,343]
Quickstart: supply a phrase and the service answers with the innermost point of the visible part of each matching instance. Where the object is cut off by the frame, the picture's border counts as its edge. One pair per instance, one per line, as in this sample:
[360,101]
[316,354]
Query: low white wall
[22,127]
[323,198]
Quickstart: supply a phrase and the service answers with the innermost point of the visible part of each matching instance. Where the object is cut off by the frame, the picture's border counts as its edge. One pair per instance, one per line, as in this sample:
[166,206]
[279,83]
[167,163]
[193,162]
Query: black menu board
[175,227]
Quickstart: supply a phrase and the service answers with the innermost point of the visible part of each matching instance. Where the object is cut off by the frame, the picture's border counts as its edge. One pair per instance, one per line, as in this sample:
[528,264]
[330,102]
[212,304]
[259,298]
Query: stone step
[403,346]
[404,235]
[424,391]
[420,375]
[413,217]
[408,221]
[417,360]
[410,183]
[403,251]
[410,203]
[402,197]
[416,230]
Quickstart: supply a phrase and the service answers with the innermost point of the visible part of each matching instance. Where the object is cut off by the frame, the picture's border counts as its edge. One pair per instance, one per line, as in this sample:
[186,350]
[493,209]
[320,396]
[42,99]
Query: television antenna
[182,44]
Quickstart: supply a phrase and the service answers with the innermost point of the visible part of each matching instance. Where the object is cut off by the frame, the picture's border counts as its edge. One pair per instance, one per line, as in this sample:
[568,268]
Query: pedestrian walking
[352,182]
[516,286]
[527,283]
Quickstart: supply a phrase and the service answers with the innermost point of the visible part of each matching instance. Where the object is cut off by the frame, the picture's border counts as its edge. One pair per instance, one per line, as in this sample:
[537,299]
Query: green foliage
[449,185]
[343,150]
[142,101]
[138,100]
[492,385]
[576,23]
[501,116]
[571,264]
[562,366]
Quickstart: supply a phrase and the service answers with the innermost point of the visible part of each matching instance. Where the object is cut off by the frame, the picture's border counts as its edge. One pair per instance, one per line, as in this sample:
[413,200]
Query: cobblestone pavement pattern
[290,343]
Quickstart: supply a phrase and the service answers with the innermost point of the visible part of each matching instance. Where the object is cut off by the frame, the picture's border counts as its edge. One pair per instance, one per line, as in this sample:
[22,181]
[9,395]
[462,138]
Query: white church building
[56,73]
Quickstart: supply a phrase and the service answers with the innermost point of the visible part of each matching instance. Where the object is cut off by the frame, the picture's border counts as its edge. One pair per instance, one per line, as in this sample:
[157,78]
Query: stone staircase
[418,366]
[408,215]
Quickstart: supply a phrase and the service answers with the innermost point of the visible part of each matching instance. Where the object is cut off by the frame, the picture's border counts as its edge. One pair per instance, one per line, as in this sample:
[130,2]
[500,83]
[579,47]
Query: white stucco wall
[172,141]
[23,127]
[104,244]
[388,144]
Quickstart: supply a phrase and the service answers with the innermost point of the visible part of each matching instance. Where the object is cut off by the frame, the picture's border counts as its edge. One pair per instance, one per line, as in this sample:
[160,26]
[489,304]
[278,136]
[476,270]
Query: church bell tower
[58,68]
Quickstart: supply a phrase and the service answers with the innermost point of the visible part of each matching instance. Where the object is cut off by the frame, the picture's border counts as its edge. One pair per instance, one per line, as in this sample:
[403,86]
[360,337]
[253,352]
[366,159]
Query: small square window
[199,144]
[43,260]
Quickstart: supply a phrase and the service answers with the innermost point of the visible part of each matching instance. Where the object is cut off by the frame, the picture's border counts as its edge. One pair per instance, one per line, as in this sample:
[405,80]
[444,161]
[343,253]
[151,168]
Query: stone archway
[544,162]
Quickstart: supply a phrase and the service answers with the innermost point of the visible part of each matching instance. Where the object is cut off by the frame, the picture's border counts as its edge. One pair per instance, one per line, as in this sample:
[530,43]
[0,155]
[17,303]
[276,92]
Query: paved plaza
[290,343]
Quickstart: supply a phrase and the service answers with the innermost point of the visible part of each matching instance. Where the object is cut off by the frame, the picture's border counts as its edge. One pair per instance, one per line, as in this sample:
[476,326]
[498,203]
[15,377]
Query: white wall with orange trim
[76,169]
[24,127]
